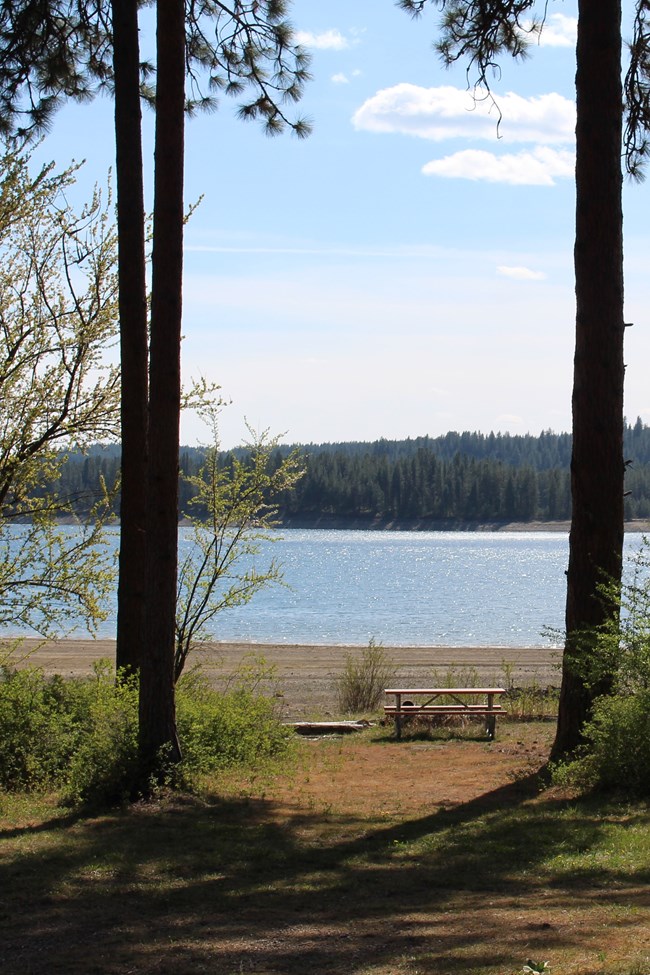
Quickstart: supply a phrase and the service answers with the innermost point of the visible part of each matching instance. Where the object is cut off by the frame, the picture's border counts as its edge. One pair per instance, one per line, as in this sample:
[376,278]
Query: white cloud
[520,273]
[508,418]
[447,113]
[329,40]
[537,167]
[559,31]
[342,79]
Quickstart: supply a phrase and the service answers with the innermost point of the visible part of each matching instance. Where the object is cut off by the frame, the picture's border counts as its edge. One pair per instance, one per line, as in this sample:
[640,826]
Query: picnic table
[415,702]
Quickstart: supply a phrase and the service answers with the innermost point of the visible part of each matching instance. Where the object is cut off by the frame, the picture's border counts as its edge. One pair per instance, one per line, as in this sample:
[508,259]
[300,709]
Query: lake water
[410,589]
[406,589]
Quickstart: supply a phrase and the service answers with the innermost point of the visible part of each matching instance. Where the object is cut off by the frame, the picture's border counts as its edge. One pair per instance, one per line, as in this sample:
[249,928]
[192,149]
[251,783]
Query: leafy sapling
[234,507]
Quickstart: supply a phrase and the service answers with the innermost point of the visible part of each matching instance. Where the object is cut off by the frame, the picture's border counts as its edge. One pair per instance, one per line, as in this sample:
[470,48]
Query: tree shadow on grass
[63,821]
[248,886]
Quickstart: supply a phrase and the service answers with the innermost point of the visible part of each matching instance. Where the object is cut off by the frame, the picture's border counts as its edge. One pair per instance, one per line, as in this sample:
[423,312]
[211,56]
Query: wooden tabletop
[445,690]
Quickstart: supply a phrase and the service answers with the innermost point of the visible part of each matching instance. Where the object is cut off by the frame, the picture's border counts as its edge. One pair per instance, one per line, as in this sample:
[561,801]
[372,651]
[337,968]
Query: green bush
[531,702]
[104,764]
[76,735]
[80,736]
[223,730]
[362,683]
[38,728]
[616,754]
[456,677]
[618,652]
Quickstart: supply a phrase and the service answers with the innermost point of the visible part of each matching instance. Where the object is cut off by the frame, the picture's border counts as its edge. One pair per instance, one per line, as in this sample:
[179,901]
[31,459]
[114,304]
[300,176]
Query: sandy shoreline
[304,676]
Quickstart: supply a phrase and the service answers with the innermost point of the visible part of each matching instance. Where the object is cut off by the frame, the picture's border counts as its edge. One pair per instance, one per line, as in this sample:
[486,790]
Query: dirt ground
[358,861]
[355,775]
[412,777]
[354,864]
[303,678]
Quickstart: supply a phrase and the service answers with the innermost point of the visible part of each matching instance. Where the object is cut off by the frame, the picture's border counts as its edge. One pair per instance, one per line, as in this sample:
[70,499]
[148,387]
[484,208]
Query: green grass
[240,883]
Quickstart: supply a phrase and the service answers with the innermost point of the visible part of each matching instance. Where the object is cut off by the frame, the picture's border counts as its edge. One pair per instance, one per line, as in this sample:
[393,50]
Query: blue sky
[406,270]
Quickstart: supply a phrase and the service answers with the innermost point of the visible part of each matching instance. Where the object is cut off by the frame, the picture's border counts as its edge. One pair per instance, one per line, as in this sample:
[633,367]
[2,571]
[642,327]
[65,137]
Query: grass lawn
[426,857]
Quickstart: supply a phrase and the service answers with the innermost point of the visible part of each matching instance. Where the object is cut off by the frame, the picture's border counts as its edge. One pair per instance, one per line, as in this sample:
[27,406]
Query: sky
[407,269]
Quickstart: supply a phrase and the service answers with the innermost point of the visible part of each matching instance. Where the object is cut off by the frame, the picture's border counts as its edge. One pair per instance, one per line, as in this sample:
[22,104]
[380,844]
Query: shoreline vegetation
[302,678]
[338,523]
[334,522]
[459,481]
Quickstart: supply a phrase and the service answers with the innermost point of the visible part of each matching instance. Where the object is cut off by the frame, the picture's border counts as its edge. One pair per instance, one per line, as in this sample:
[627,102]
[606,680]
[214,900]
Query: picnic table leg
[491,719]
[398,716]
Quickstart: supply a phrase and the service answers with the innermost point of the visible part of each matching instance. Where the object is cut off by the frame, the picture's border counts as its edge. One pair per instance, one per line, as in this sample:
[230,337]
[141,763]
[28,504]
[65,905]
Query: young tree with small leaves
[234,507]
[58,391]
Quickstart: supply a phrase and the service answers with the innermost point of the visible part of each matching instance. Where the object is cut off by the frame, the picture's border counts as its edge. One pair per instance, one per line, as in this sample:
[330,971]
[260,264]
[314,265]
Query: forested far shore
[459,480]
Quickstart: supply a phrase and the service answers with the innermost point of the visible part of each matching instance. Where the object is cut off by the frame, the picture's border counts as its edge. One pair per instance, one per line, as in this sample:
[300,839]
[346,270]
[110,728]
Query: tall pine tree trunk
[157,706]
[133,332]
[597,468]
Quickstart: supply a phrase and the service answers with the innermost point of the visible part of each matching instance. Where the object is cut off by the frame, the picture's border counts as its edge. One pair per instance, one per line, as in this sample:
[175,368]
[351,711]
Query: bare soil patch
[304,677]
[429,856]
[389,779]
[424,857]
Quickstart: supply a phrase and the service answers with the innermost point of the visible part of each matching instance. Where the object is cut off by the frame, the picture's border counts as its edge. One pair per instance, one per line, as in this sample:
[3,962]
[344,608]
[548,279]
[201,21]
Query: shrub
[531,702]
[456,677]
[80,736]
[362,683]
[38,728]
[222,730]
[616,754]
[104,765]
[76,735]
[527,700]
[619,650]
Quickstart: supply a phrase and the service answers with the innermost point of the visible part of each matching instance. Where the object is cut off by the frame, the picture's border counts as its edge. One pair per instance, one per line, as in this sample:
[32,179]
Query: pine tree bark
[158,737]
[597,464]
[133,333]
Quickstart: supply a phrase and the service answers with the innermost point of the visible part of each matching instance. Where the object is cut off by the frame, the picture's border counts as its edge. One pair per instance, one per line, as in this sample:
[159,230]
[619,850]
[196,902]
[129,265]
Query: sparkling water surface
[410,589]
[404,589]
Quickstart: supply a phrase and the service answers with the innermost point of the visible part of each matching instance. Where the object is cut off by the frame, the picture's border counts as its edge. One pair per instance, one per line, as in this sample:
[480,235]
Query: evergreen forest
[448,481]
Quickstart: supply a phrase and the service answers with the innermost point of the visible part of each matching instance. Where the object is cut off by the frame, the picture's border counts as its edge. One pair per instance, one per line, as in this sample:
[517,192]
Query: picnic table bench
[415,702]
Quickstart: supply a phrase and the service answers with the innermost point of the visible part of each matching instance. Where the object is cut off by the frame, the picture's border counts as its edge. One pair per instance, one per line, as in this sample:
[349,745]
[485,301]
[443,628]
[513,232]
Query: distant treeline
[456,478]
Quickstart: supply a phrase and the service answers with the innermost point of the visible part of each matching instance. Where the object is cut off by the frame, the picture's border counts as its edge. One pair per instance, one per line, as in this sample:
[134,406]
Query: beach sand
[304,677]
